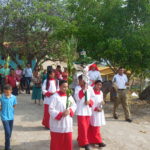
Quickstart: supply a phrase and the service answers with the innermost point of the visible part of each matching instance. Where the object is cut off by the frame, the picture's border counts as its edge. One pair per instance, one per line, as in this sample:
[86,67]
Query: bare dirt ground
[28,134]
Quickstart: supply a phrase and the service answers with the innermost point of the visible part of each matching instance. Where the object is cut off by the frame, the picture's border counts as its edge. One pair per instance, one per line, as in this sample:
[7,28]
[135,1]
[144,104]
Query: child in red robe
[61,111]
[84,111]
[97,119]
[48,89]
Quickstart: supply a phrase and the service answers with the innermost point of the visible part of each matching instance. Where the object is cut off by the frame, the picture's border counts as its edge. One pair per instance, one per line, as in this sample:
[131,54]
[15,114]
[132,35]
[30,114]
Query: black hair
[80,77]
[62,82]
[98,81]
[47,80]
[19,67]
[12,69]
[58,66]
[121,67]
[7,87]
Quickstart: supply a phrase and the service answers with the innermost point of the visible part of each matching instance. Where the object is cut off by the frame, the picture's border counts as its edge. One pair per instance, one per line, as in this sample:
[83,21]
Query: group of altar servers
[86,103]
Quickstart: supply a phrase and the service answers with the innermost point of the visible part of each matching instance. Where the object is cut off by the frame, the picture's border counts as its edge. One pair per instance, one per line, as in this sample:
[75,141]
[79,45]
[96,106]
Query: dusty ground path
[28,134]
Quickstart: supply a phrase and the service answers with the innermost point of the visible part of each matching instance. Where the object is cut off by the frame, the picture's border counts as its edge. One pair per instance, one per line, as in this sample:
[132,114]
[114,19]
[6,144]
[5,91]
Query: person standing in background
[11,79]
[58,73]
[94,74]
[121,82]
[44,75]
[37,87]
[18,73]
[65,74]
[28,76]
[6,70]
[1,77]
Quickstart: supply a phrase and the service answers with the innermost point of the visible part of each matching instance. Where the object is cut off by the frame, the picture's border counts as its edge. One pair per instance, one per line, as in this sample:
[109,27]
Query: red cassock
[60,126]
[84,113]
[94,135]
[46,116]
[97,119]
[63,140]
[48,91]
[83,127]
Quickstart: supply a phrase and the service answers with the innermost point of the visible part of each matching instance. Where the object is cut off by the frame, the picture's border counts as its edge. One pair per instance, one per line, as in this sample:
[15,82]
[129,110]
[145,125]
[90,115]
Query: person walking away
[121,81]
[7,105]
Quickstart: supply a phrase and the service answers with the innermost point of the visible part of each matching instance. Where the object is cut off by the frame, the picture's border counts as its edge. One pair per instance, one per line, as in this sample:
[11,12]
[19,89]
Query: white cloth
[97,118]
[120,81]
[76,91]
[93,76]
[57,105]
[82,109]
[28,72]
[52,89]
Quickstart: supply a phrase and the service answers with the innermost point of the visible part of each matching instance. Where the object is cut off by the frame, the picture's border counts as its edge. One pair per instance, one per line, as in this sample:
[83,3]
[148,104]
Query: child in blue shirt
[8,103]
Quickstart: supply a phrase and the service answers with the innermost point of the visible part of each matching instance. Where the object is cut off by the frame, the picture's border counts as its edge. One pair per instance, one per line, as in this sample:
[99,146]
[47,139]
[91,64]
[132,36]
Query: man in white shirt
[121,82]
[27,72]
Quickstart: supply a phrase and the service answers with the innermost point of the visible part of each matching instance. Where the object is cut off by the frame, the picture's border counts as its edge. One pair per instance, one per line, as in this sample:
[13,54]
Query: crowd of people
[60,107]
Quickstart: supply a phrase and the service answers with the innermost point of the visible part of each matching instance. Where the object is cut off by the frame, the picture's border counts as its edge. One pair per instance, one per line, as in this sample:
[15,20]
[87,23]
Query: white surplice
[51,89]
[58,105]
[97,118]
[82,108]
[93,76]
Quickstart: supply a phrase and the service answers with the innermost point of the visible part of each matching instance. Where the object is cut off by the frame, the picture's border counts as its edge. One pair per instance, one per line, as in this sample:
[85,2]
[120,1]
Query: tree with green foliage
[33,29]
[114,31]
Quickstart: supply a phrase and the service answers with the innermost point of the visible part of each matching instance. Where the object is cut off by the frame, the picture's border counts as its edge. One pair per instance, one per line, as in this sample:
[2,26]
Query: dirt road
[28,134]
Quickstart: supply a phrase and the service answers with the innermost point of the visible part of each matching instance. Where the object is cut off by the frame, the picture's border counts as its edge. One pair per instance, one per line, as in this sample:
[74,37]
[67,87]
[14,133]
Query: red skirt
[94,135]
[83,127]
[61,141]
[46,117]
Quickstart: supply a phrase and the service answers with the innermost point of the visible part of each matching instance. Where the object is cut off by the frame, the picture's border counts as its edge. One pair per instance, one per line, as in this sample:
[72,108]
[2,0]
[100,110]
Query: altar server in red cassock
[97,119]
[94,74]
[83,112]
[61,110]
[48,89]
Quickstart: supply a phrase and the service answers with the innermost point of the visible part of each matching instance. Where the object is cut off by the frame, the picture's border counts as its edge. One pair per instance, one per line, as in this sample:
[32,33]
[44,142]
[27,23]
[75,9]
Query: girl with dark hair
[48,89]
[37,91]
[97,119]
